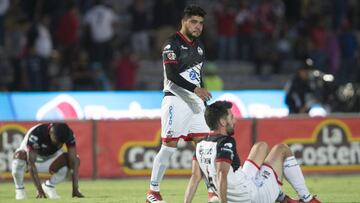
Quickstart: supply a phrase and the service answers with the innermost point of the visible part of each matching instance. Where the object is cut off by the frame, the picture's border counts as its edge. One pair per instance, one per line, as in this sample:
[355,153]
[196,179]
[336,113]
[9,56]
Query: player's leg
[284,163]
[255,158]
[17,171]
[174,121]
[56,165]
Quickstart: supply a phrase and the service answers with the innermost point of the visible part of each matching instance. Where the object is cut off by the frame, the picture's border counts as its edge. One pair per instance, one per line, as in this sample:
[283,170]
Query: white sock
[161,162]
[18,170]
[57,177]
[295,177]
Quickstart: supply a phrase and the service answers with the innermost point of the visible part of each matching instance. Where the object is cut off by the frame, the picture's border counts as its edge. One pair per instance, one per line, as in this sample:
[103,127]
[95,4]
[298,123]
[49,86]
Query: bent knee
[263,146]
[21,154]
[284,148]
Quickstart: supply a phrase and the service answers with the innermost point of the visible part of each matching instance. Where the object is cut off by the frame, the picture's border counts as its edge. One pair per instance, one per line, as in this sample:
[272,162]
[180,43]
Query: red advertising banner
[127,148]
[321,145]
[12,134]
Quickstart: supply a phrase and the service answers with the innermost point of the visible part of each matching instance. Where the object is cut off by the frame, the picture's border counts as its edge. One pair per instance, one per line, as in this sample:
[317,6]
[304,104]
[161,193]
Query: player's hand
[77,193]
[40,194]
[202,93]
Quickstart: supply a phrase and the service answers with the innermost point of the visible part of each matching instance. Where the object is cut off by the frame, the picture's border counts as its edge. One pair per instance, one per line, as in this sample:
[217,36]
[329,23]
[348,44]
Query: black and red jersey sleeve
[226,150]
[170,56]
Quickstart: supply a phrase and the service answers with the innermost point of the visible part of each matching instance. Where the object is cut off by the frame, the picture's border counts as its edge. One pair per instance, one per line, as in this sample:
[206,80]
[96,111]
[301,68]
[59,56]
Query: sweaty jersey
[38,138]
[215,148]
[182,63]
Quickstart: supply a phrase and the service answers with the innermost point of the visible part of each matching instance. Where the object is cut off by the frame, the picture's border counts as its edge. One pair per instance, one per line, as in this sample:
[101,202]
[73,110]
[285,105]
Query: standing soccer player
[260,178]
[40,151]
[183,105]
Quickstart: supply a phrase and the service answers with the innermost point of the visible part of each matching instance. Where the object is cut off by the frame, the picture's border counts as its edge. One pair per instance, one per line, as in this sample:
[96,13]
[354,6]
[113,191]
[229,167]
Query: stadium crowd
[50,45]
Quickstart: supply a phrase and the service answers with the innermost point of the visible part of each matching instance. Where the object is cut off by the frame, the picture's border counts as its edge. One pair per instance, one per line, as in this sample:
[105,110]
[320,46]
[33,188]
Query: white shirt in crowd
[43,43]
[101,20]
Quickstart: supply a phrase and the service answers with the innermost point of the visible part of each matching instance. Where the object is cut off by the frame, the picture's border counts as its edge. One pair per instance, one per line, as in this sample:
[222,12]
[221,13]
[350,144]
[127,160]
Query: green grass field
[330,189]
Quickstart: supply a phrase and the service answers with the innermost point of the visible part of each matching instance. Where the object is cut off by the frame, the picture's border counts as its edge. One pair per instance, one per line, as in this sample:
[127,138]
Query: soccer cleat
[50,191]
[288,199]
[313,200]
[154,197]
[212,197]
[20,194]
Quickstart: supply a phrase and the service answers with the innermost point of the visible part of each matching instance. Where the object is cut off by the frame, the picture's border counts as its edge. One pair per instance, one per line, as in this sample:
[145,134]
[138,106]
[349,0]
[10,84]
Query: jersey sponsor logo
[331,147]
[137,157]
[200,51]
[11,137]
[194,75]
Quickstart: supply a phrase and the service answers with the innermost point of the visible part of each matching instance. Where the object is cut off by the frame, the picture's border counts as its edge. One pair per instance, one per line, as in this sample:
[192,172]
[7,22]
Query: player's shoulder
[39,128]
[226,140]
[171,42]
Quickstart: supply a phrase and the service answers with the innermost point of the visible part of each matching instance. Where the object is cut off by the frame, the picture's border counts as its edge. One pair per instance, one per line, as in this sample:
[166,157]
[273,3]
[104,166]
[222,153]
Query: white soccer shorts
[265,180]
[178,120]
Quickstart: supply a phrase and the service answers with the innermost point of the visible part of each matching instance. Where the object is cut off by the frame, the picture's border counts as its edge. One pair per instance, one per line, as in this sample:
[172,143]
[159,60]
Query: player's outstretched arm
[34,174]
[74,163]
[193,182]
[222,170]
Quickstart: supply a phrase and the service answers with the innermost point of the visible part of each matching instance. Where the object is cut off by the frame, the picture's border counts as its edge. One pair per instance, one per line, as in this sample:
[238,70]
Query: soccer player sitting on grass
[259,180]
[40,151]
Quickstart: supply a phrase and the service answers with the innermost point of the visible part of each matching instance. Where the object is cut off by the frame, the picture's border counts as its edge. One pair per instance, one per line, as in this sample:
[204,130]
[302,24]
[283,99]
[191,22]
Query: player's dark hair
[193,10]
[62,132]
[215,112]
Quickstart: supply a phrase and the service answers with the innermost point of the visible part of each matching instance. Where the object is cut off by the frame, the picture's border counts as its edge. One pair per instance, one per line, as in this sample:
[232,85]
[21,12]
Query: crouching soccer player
[260,178]
[40,151]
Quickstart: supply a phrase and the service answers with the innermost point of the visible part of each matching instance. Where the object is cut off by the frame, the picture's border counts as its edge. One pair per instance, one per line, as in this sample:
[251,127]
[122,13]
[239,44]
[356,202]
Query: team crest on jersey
[171,56]
[200,51]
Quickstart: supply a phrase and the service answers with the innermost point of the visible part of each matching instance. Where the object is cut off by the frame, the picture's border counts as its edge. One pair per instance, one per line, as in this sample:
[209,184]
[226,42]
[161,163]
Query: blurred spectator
[100,21]
[126,67]
[299,94]
[245,21]
[349,52]
[225,15]
[4,5]
[140,25]
[83,77]
[37,56]
[212,81]
[67,35]
[15,41]
[6,72]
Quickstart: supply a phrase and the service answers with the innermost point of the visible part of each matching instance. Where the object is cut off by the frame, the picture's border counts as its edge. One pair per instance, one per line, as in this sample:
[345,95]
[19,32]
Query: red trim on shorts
[171,62]
[276,176]
[251,161]
[194,158]
[223,160]
[198,134]
[187,138]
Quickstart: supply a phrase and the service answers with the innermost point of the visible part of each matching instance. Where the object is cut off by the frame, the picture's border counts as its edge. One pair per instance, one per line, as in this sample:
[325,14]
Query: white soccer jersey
[223,148]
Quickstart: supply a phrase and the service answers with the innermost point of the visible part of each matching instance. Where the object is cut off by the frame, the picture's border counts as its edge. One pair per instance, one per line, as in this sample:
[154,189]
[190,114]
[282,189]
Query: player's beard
[190,34]
[230,129]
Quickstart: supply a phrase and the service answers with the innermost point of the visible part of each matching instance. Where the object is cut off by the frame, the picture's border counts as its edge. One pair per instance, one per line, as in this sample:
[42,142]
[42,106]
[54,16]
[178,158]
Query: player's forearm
[74,169]
[222,180]
[191,189]
[177,79]
[35,176]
